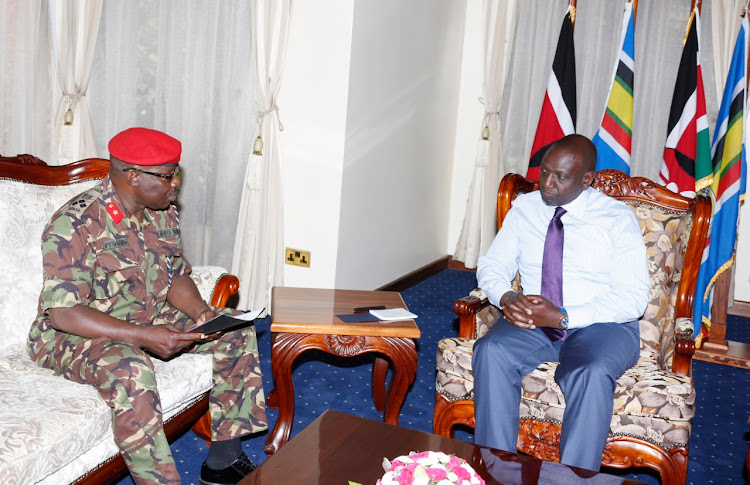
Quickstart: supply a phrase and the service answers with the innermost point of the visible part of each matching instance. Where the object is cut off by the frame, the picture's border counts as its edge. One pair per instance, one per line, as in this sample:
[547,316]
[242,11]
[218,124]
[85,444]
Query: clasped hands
[530,311]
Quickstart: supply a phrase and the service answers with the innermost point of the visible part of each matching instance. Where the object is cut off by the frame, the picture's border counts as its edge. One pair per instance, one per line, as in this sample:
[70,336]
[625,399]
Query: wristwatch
[563,323]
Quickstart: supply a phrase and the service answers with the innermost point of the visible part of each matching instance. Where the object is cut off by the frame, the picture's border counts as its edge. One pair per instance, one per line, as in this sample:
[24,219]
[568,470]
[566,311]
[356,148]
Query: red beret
[143,146]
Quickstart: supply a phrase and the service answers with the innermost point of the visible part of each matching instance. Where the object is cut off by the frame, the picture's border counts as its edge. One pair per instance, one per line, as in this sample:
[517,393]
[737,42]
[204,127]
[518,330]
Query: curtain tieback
[72,100]
[258,143]
[274,109]
[487,117]
[482,159]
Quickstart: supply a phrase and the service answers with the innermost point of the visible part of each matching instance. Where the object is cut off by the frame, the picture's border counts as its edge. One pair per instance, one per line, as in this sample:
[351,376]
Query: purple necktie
[552,269]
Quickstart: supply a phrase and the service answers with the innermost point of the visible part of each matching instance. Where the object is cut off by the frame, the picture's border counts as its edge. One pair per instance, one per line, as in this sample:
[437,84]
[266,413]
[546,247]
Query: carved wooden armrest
[215,284]
[684,346]
[467,308]
[227,286]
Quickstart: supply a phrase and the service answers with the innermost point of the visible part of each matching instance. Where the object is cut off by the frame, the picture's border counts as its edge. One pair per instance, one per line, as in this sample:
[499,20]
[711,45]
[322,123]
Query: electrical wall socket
[297,257]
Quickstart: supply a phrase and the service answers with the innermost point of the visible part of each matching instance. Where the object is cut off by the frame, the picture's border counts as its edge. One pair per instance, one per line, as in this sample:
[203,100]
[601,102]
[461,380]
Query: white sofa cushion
[24,211]
[47,422]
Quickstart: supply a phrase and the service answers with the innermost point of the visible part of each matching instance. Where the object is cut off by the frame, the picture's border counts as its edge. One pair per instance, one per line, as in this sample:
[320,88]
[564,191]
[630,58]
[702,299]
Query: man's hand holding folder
[222,323]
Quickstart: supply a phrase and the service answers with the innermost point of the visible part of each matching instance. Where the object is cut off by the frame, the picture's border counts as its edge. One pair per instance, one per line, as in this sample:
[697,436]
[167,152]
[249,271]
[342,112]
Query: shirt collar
[576,208]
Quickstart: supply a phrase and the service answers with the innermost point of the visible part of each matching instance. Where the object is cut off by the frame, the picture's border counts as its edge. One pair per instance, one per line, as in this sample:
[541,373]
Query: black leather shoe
[231,475]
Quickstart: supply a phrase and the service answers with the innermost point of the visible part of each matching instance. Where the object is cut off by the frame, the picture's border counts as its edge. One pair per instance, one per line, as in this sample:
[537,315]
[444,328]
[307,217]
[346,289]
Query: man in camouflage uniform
[117,290]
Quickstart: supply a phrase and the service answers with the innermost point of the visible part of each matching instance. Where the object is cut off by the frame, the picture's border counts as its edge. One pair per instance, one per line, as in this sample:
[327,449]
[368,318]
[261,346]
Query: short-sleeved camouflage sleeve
[68,263]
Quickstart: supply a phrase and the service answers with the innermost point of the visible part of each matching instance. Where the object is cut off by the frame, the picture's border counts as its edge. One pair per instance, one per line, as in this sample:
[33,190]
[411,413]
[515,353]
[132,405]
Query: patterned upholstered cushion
[666,235]
[24,211]
[649,403]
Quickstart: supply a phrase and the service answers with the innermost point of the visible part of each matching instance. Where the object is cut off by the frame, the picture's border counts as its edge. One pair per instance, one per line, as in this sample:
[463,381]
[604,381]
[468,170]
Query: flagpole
[635,8]
[572,4]
[691,19]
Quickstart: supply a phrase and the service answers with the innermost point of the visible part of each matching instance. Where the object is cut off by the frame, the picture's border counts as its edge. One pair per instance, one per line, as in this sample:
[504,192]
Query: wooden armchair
[53,429]
[655,399]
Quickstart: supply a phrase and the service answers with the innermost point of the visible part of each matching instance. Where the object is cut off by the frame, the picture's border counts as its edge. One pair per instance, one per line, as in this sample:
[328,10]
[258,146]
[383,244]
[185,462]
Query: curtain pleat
[258,247]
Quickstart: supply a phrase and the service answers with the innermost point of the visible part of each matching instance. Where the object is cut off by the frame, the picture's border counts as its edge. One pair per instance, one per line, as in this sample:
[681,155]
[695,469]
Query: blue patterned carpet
[720,430]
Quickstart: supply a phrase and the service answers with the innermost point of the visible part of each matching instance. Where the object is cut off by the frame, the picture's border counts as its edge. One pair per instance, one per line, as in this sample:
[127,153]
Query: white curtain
[26,99]
[660,29]
[74,26]
[258,248]
[183,67]
[725,24]
[480,223]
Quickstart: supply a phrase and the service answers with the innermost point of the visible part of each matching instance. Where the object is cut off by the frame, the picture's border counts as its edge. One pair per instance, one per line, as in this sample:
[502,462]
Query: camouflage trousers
[124,377]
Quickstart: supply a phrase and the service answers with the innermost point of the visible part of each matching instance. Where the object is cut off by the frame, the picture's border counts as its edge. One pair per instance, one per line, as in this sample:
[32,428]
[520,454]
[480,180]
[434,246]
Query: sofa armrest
[468,310]
[684,347]
[215,284]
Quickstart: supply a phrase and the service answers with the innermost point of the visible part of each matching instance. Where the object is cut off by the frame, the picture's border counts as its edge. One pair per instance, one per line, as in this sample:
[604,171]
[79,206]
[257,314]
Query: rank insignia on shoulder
[80,204]
[114,212]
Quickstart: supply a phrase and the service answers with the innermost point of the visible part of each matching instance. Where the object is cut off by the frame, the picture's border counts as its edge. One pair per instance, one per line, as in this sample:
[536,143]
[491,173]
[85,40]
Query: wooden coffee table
[305,319]
[338,447]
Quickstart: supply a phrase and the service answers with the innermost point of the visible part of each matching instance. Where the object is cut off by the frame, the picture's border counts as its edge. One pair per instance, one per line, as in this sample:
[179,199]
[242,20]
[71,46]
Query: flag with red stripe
[728,187]
[613,139]
[558,116]
[686,167]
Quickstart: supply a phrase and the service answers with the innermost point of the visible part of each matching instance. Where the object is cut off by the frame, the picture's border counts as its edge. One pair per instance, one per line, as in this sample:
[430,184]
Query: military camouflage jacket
[98,256]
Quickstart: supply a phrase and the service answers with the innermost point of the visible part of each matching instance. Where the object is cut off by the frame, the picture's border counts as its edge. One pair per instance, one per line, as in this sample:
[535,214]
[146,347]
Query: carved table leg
[379,371]
[285,349]
[403,354]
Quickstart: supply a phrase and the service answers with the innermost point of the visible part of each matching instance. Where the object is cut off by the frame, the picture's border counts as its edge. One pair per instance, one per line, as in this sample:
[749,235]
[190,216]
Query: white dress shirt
[605,269]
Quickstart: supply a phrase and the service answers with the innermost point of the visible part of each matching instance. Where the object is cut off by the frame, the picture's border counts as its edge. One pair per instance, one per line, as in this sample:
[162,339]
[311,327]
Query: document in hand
[222,323]
[392,314]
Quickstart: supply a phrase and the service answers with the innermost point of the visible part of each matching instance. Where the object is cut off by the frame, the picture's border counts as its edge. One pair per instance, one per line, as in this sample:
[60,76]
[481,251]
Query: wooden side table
[305,319]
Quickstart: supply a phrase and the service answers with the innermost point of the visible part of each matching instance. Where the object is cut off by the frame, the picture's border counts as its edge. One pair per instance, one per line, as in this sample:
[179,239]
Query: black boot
[231,475]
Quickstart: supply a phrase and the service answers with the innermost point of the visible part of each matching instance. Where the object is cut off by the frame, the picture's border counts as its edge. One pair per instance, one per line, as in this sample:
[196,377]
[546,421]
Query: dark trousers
[591,360]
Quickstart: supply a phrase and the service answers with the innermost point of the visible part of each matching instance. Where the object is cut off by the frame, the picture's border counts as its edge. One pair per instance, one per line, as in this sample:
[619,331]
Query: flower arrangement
[429,468]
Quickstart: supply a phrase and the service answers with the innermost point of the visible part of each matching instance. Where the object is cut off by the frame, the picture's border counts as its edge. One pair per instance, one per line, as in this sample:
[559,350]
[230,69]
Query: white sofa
[52,430]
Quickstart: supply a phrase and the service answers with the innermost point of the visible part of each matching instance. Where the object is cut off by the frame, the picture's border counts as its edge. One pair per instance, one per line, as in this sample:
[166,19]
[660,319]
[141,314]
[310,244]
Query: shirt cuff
[578,317]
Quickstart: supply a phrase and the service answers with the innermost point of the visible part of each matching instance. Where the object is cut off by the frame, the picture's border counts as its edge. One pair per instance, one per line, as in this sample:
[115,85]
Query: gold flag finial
[687,29]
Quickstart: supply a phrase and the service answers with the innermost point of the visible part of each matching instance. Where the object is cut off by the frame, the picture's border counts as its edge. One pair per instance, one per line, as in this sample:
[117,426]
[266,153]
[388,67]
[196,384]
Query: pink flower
[405,477]
[454,463]
[418,456]
[436,474]
[462,474]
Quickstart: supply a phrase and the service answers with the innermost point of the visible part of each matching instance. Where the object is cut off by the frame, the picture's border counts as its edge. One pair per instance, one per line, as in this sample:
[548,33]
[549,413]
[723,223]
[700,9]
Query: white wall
[403,96]
[312,105]
[368,104]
